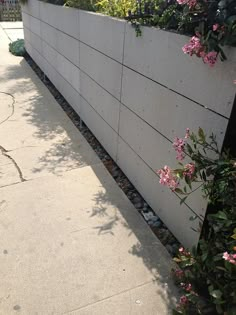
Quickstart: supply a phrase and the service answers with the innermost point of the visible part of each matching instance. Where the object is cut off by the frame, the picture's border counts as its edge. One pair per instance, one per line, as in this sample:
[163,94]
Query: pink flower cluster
[183,300]
[190,3]
[230,258]
[215,27]
[183,252]
[179,273]
[210,58]
[194,47]
[186,286]
[179,144]
[189,170]
[168,178]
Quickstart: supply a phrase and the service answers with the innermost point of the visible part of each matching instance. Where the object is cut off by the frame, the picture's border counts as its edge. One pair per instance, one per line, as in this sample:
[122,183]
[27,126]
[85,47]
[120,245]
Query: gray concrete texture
[135,94]
[70,240]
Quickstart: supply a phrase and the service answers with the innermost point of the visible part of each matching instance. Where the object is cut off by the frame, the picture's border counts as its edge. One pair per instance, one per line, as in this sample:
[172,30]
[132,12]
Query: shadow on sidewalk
[50,126]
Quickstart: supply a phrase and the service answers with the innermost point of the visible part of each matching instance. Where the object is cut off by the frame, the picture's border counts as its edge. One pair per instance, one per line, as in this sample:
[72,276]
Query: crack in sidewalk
[4,152]
[12,106]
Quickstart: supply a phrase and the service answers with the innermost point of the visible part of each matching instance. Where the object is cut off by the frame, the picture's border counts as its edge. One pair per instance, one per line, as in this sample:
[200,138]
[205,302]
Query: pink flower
[190,3]
[179,273]
[182,1]
[230,258]
[178,145]
[210,58]
[183,300]
[188,287]
[181,249]
[168,178]
[215,27]
[187,135]
[189,170]
[193,47]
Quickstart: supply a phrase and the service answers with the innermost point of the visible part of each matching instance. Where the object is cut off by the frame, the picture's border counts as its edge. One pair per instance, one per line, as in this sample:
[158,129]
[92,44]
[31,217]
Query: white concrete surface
[70,240]
[158,55]
[14,30]
[108,37]
[135,93]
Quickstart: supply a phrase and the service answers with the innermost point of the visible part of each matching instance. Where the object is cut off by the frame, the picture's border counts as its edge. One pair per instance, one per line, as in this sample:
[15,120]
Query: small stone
[155,224]
[138,205]
[148,215]
[137,199]
[16,308]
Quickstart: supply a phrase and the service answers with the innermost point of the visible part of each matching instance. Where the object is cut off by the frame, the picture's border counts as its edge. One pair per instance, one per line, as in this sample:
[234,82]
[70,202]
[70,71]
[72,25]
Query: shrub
[207,274]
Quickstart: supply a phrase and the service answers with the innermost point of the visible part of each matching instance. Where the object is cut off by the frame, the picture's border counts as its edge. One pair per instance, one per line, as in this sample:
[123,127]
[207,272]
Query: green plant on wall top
[116,8]
[89,5]
[207,275]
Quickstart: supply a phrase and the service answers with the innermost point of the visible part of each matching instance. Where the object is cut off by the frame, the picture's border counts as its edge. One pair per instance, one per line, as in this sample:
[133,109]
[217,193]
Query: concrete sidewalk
[70,240]
[13,30]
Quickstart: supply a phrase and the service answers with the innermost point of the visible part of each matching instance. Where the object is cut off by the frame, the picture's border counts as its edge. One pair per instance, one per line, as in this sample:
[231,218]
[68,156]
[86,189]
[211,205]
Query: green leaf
[233,236]
[204,256]
[179,191]
[189,148]
[217,294]
[201,134]
[219,215]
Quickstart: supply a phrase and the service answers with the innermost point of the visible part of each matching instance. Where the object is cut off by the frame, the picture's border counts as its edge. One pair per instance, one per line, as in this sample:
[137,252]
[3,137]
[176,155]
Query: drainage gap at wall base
[155,223]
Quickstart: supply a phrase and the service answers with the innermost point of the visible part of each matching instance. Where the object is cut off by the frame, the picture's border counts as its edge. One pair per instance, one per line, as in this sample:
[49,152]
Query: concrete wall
[135,94]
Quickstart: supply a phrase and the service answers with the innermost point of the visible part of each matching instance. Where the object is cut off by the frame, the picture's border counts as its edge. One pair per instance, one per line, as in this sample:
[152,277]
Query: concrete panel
[68,21]
[68,71]
[35,26]
[154,149]
[164,202]
[69,93]
[26,20]
[49,34]
[50,72]
[103,132]
[49,13]
[63,18]
[36,42]
[157,105]
[28,47]
[49,54]
[27,34]
[37,58]
[102,69]
[158,55]
[104,103]
[68,47]
[104,33]
[32,8]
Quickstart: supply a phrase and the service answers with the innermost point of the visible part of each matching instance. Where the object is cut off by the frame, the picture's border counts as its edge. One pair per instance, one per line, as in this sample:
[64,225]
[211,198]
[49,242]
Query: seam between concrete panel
[184,96]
